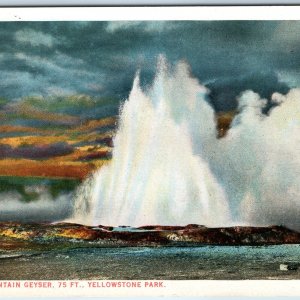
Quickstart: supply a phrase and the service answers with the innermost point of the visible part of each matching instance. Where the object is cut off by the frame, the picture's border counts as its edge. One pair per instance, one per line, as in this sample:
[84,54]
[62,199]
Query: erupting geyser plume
[169,167]
[156,176]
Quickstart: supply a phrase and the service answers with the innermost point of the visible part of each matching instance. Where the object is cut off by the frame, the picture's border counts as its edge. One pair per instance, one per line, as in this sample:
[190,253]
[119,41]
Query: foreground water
[207,262]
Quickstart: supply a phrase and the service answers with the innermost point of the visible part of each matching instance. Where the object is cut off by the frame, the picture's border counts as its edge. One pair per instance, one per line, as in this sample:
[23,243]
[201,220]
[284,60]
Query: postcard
[150,151]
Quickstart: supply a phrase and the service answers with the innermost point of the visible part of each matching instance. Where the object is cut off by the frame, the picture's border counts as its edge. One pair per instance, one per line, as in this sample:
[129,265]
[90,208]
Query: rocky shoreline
[16,236]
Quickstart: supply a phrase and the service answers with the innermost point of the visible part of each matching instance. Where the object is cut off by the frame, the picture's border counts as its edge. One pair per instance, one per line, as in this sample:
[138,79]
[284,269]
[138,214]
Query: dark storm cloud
[224,91]
[101,58]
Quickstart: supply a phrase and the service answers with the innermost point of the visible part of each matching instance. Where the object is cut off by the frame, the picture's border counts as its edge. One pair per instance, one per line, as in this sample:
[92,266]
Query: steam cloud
[156,175]
[43,209]
[258,162]
[169,166]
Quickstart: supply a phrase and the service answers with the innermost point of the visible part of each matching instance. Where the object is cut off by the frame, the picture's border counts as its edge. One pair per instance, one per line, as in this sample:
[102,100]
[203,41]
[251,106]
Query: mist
[166,149]
[43,209]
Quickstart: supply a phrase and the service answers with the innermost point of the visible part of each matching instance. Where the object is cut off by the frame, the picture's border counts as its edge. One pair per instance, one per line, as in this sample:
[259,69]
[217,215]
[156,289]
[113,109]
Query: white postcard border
[150,13]
[171,288]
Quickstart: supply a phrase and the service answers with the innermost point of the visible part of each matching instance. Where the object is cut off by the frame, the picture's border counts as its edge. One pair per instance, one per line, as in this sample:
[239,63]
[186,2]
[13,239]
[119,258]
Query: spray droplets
[156,175]
[169,167]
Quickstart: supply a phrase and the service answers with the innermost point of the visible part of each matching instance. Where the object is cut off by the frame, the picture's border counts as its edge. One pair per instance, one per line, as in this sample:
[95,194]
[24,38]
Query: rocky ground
[14,236]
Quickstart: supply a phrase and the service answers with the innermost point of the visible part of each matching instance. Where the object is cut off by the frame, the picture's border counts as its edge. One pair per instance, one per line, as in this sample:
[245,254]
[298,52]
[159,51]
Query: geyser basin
[20,236]
[170,168]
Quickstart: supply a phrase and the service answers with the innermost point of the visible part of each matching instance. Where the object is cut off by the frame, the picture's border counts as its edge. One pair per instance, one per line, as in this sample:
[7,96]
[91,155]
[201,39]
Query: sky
[100,59]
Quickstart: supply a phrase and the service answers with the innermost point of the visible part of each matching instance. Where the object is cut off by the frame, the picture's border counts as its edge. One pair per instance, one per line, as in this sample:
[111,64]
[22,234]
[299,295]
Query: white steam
[261,169]
[42,209]
[169,167]
[156,175]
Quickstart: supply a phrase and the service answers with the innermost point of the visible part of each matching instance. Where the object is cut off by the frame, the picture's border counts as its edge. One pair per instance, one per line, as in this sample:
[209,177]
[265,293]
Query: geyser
[169,167]
[157,174]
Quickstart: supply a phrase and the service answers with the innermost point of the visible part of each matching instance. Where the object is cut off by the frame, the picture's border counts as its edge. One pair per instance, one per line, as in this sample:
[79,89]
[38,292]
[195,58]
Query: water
[170,168]
[207,262]
[157,174]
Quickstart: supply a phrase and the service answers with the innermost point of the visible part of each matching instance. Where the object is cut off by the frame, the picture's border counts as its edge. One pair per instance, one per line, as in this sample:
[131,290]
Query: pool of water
[186,263]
